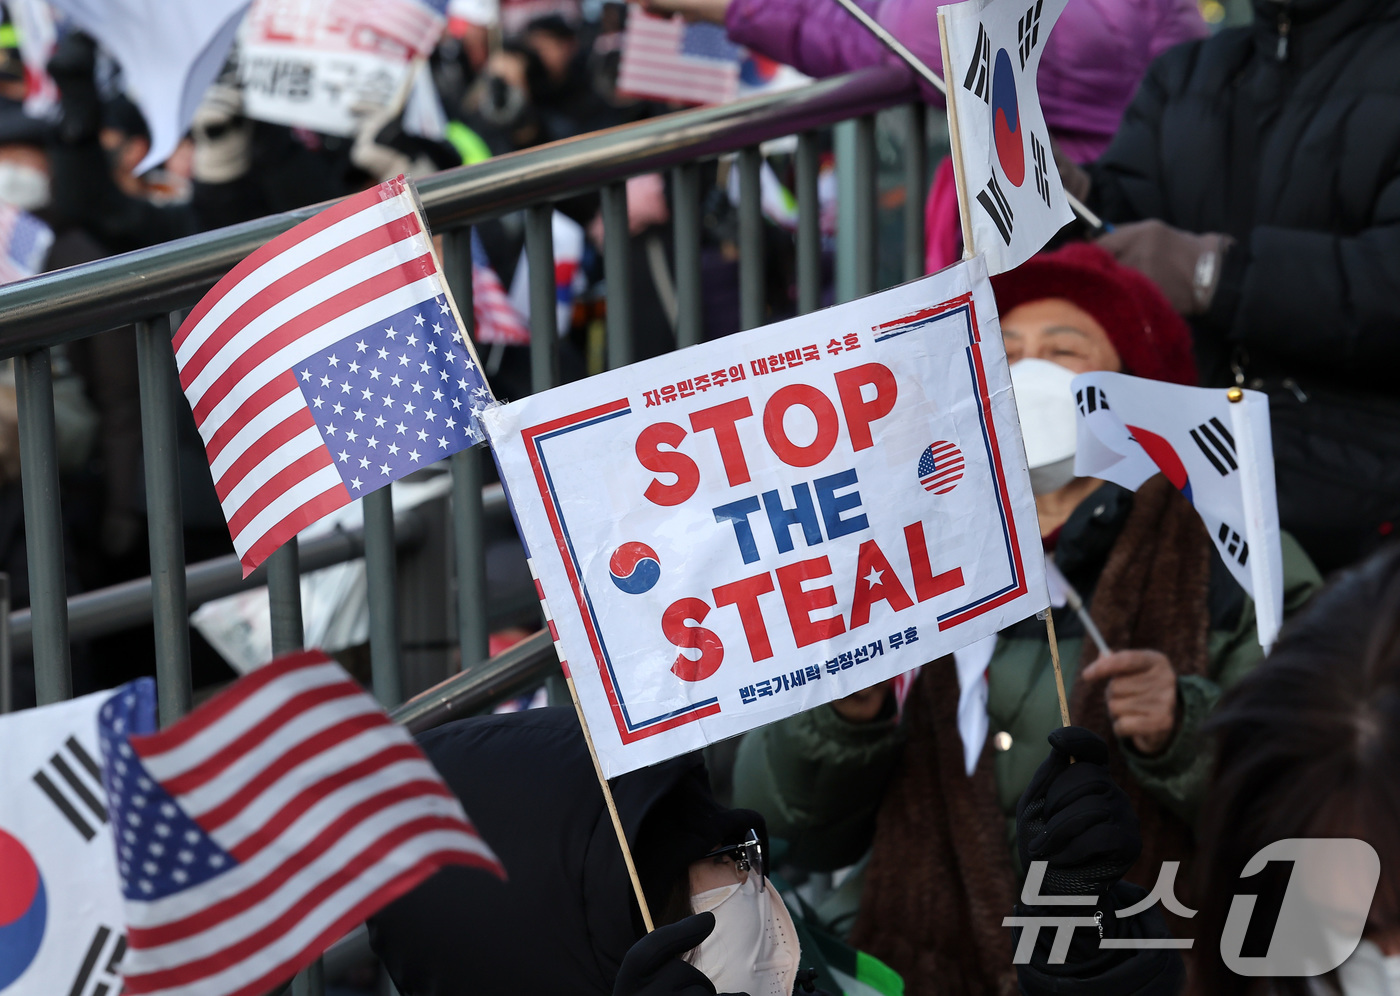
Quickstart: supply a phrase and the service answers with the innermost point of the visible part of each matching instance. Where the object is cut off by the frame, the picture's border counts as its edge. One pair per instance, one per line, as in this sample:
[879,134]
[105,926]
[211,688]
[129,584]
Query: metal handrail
[69,304]
[510,672]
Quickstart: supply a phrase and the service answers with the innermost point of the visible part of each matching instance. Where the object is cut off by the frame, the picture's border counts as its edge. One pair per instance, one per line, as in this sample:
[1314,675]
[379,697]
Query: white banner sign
[325,65]
[1013,188]
[739,531]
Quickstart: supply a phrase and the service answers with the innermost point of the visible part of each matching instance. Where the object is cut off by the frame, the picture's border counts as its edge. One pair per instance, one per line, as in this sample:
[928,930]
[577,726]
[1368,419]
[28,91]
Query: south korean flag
[1013,190]
[1215,450]
[62,930]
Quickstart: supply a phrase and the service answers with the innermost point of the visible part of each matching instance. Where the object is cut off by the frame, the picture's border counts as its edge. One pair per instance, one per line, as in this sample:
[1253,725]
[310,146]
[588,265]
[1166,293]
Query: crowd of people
[1252,189]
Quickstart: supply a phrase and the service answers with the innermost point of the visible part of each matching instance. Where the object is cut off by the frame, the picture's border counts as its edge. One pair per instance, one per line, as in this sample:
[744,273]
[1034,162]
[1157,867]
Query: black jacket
[1286,135]
[565,917]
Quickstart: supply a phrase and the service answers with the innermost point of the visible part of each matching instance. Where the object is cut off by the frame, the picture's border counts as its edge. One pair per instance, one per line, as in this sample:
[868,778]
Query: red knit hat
[1152,340]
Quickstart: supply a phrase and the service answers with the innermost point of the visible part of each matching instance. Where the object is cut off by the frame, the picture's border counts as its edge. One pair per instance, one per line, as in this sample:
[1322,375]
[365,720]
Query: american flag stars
[396,396]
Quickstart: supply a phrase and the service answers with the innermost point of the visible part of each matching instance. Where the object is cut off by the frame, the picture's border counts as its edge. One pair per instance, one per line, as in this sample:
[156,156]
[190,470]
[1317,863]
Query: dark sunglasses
[747,856]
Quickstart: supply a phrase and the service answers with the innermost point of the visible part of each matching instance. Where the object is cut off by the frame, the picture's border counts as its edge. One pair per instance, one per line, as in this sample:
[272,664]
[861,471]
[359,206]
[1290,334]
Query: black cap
[18,128]
[120,113]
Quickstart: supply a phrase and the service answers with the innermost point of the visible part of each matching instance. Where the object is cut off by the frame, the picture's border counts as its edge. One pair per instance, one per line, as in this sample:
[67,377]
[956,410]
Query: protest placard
[323,65]
[739,531]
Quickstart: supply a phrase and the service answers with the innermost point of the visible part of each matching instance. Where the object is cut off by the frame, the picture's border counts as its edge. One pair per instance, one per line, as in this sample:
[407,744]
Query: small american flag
[24,244]
[259,829]
[497,321]
[326,365]
[941,467]
[672,60]
[415,24]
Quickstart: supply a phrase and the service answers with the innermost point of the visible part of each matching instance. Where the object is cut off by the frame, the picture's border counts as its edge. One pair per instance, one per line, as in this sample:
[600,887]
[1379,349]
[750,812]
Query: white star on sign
[366,394]
[354,367]
[437,328]
[359,415]
[343,456]
[417,387]
[317,401]
[325,382]
[413,454]
[451,422]
[384,469]
[330,428]
[371,442]
[338,408]
[306,375]
[412,339]
[364,462]
[422,436]
[383,353]
[352,435]
[418,319]
[333,360]
[430,415]
[356,481]
[393,449]
[390,332]
[396,380]
[403,359]
[437,395]
[432,346]
[344,388]
[873,578]
[409,407]
[361,346]
[442,443]
[424,366]
[402,428]
[457,403]
[388,401]
[374,373]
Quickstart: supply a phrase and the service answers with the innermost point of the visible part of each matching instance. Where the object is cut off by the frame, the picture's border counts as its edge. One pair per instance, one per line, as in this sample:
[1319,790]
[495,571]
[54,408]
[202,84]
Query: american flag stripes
[941,467]
[24,244]
[259,829]
[415,24]
[325,365]
[672,60]
[497,321]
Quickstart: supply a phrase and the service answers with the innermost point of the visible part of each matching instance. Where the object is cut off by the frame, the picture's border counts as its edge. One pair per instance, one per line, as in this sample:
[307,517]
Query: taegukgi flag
[1013,188]
[1217,452]
[736,532]
[62,928]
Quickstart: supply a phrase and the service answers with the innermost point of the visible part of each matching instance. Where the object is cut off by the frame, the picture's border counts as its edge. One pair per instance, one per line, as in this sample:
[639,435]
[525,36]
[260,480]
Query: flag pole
[612,805]
[969,250]
[934,80]
[954,138]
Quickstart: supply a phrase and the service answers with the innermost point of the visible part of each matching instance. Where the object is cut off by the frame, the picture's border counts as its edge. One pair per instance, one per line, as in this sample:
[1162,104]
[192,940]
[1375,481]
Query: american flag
[259,829]
[497,321]
[672,60]
[325,365]
[941,467]
[24,244]
[415,24]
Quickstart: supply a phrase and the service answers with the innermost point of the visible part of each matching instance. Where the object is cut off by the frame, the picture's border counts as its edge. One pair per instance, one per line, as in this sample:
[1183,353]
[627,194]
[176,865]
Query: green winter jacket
[819,779]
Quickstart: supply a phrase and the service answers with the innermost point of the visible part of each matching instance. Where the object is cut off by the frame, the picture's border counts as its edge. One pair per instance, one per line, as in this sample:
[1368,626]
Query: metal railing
[148,287]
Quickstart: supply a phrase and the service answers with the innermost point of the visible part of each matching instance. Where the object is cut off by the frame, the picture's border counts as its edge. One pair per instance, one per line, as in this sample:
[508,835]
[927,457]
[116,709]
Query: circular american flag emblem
[941,467]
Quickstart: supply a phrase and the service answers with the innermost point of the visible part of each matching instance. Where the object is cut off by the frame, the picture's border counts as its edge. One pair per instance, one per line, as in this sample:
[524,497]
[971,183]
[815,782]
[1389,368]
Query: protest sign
[739,531]
[324,65]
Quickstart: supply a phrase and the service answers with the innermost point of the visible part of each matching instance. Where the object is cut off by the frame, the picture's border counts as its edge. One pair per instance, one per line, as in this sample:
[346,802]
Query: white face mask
[1045,403]
[23,187]
[754,946]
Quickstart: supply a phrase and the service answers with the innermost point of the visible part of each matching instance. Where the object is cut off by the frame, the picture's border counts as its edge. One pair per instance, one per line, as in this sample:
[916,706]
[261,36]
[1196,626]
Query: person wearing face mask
[565,921]
[926,801]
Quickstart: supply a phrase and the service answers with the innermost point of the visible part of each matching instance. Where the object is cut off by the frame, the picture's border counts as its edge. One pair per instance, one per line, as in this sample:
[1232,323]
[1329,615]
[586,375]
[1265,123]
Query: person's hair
[1308,745]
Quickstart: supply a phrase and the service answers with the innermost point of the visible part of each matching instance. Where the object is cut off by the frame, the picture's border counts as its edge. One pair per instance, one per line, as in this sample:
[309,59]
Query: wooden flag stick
[1055,661]
[934,80]
[955,140]
[612,805]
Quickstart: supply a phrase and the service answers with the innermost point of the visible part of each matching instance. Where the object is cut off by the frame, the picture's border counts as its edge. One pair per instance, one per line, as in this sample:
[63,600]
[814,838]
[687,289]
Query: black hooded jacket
[1285,135]
[565,917]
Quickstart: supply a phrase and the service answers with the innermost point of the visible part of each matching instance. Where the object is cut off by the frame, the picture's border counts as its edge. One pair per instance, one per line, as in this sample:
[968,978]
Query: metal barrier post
[43,527]
[164,517]
[690,308]
[284,598]
[809,232]
[617,271]
[7,678]
[866,258]
[544,325]
[751,275]
[468,514]
[915,183]
[380,575]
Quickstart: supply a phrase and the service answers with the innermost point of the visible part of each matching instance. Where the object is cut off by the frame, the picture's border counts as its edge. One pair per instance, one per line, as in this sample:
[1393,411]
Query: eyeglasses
[747,856]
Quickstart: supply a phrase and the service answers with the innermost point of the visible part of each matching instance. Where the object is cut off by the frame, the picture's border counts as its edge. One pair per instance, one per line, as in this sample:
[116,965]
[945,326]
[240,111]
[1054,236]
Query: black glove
[1075,818]
[654,966]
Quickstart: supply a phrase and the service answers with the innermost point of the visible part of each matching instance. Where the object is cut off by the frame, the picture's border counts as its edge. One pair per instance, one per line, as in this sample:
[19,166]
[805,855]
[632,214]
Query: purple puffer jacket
[1093,61]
